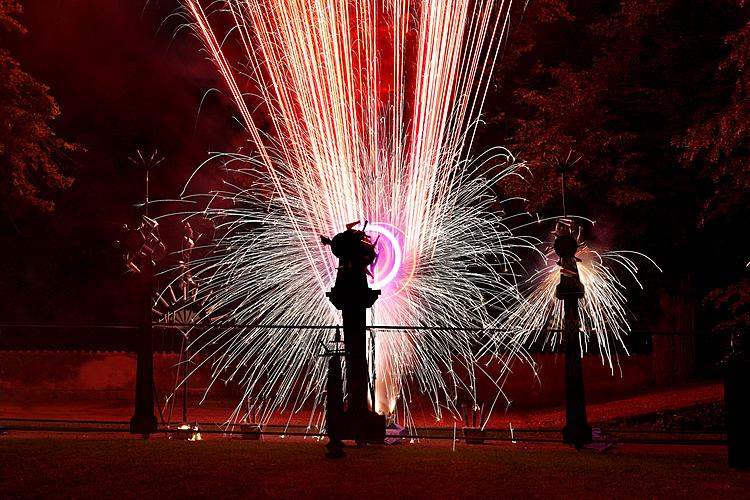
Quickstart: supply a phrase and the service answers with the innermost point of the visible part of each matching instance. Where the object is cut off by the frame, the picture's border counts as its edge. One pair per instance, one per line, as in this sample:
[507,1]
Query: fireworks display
[603,313]
[356,110]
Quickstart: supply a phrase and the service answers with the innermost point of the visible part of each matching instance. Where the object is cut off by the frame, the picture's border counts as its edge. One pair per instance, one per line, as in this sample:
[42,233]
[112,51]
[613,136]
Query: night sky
[124,77]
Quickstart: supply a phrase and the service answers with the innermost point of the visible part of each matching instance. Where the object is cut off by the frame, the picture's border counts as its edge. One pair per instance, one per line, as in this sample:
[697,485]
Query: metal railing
[120,337]
[497,435]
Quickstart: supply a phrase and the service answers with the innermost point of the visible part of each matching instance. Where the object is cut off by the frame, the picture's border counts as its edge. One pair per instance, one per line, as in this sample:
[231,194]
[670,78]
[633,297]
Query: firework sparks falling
[602,313]
[369,113]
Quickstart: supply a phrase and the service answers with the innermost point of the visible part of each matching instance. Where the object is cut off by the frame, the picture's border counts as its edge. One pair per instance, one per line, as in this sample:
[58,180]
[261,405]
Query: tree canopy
[653,96]
[632,87]
[31,155]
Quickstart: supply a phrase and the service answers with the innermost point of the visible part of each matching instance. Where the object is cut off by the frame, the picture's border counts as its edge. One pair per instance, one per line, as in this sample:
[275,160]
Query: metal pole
[570,290]
[373,372]
[565,211]
[144,420]
[147,193]
[335,403]
[185,380]
[577,430]
[354,324]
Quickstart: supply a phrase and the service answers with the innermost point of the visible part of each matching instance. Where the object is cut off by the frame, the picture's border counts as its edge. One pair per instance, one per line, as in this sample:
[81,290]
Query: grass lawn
[222,468]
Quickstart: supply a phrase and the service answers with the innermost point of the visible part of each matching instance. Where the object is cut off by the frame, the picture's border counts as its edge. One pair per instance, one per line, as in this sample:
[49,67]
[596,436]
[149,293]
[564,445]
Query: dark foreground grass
[117,468]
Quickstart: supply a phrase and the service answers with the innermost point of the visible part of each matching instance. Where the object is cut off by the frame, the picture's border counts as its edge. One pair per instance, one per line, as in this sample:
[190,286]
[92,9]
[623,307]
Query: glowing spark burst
[602,311]
[389,259]
[369,111]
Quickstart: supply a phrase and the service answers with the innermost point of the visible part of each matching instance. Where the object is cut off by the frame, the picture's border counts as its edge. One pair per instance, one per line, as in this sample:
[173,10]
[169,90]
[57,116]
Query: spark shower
[357,110]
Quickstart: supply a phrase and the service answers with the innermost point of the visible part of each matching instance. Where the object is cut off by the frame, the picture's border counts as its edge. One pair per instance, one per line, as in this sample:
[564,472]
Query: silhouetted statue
[352,296]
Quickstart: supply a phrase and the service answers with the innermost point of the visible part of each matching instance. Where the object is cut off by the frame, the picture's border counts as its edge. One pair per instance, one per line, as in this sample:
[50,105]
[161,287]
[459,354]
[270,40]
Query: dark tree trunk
[674,355]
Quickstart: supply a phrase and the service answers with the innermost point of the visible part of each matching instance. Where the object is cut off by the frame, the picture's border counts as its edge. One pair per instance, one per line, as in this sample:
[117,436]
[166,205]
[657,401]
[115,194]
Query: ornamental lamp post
[352,296]
[570,290]
[142,246]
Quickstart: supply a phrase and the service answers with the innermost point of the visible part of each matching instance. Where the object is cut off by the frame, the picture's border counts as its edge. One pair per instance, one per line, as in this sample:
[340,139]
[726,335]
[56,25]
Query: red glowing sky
[125,78]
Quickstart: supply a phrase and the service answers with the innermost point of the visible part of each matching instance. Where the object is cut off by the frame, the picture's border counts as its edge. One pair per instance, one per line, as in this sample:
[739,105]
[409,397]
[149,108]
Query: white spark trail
[364,110]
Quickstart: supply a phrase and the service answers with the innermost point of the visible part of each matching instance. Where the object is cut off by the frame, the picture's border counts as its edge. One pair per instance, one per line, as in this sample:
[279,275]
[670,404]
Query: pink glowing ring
[393,258]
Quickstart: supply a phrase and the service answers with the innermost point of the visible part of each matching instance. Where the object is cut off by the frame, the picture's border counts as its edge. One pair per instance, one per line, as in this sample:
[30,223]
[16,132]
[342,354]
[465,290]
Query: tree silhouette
[653,96]
[718,148]
[619,83]
[31,154]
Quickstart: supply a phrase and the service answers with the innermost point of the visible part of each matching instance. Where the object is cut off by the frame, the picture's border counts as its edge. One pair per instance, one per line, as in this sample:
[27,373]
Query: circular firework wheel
[176,311]
[176,307]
